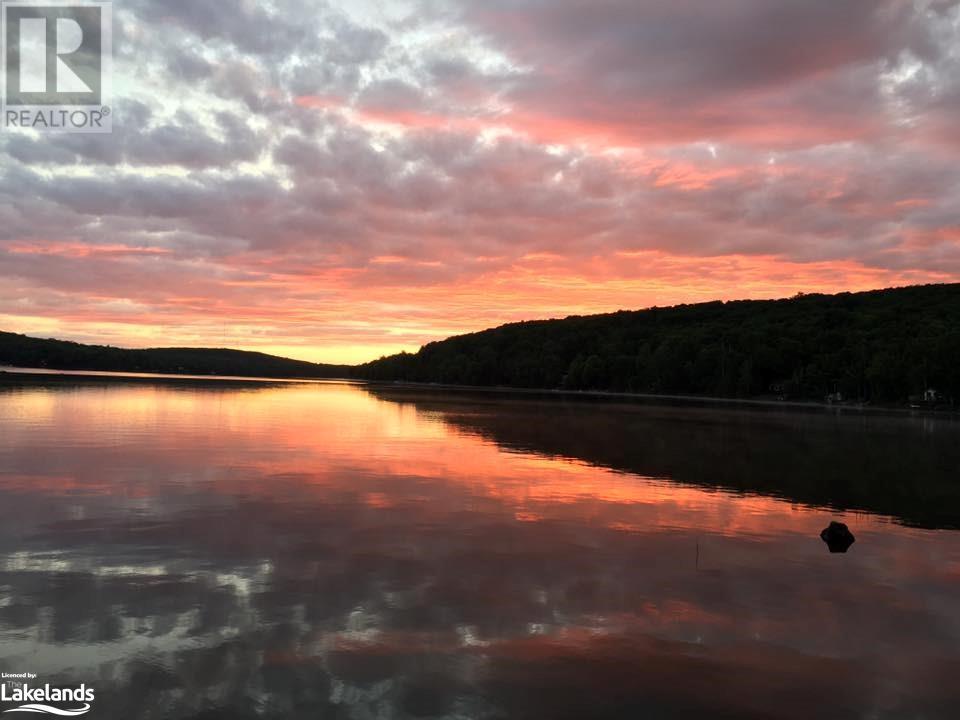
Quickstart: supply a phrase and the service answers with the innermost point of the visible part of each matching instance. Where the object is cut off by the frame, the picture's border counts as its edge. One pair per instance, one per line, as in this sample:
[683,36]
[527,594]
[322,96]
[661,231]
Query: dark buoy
[838,537]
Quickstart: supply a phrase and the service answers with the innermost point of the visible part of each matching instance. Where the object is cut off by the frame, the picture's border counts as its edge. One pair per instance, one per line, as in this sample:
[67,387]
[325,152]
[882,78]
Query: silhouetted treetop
[884,345]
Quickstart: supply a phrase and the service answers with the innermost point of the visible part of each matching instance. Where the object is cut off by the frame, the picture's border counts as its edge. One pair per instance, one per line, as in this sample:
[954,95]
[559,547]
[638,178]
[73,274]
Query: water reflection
[333,551]
[905,467]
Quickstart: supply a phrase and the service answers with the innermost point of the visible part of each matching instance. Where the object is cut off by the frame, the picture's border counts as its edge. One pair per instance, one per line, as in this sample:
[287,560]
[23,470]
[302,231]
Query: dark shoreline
[676,400]
[20,376]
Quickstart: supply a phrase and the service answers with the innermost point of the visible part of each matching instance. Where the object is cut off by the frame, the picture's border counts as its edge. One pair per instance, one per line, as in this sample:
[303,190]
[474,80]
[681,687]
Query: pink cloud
[358,197]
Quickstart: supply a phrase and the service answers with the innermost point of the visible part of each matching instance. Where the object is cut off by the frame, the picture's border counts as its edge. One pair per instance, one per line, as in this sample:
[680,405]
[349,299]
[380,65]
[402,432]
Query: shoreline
[672,399]
[15,375]
[20,374]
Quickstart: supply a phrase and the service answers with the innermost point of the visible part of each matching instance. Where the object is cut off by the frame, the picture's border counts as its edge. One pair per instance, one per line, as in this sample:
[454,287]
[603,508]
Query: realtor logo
[57,65]
[44,699]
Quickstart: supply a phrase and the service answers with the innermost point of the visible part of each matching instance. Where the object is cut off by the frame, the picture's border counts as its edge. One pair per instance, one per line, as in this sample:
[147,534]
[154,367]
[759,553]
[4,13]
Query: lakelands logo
[57,65]
[45,700]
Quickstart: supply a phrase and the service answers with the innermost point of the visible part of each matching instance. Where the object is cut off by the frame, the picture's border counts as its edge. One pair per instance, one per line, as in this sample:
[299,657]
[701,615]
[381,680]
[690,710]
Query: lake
[238,550]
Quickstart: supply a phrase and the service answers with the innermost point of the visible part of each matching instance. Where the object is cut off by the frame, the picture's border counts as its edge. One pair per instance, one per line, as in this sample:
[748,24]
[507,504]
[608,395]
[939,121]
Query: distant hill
[881,346]
[886,346]
[23,351]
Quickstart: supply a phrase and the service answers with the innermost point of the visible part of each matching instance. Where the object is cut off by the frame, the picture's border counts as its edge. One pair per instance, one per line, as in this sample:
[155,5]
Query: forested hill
[886,346]
[23,351]
[881,346]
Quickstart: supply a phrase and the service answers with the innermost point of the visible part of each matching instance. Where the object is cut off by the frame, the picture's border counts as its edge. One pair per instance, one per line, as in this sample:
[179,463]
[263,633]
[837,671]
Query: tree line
[881,346]
[892,346]
[23,351]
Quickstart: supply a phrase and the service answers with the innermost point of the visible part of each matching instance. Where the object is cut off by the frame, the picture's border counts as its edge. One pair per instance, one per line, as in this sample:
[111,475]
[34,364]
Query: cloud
[250,27]
[776,73]
[444,167]
[183,141]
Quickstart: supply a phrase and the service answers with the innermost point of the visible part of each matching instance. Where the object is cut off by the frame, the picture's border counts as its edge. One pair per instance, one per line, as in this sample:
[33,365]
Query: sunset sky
[336,181]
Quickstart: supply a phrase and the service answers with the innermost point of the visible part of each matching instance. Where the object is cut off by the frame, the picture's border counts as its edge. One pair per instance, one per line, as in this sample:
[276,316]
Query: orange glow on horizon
[469,170]
[362,322]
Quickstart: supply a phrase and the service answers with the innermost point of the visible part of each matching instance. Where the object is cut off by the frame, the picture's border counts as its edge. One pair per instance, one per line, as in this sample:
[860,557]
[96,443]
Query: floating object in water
[838,537]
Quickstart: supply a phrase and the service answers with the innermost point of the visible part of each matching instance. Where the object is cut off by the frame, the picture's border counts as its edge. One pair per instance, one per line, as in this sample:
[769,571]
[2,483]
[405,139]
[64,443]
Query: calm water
[328,551]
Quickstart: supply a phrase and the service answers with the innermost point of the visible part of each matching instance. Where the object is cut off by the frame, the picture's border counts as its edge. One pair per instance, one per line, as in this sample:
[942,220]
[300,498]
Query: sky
[336,181]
